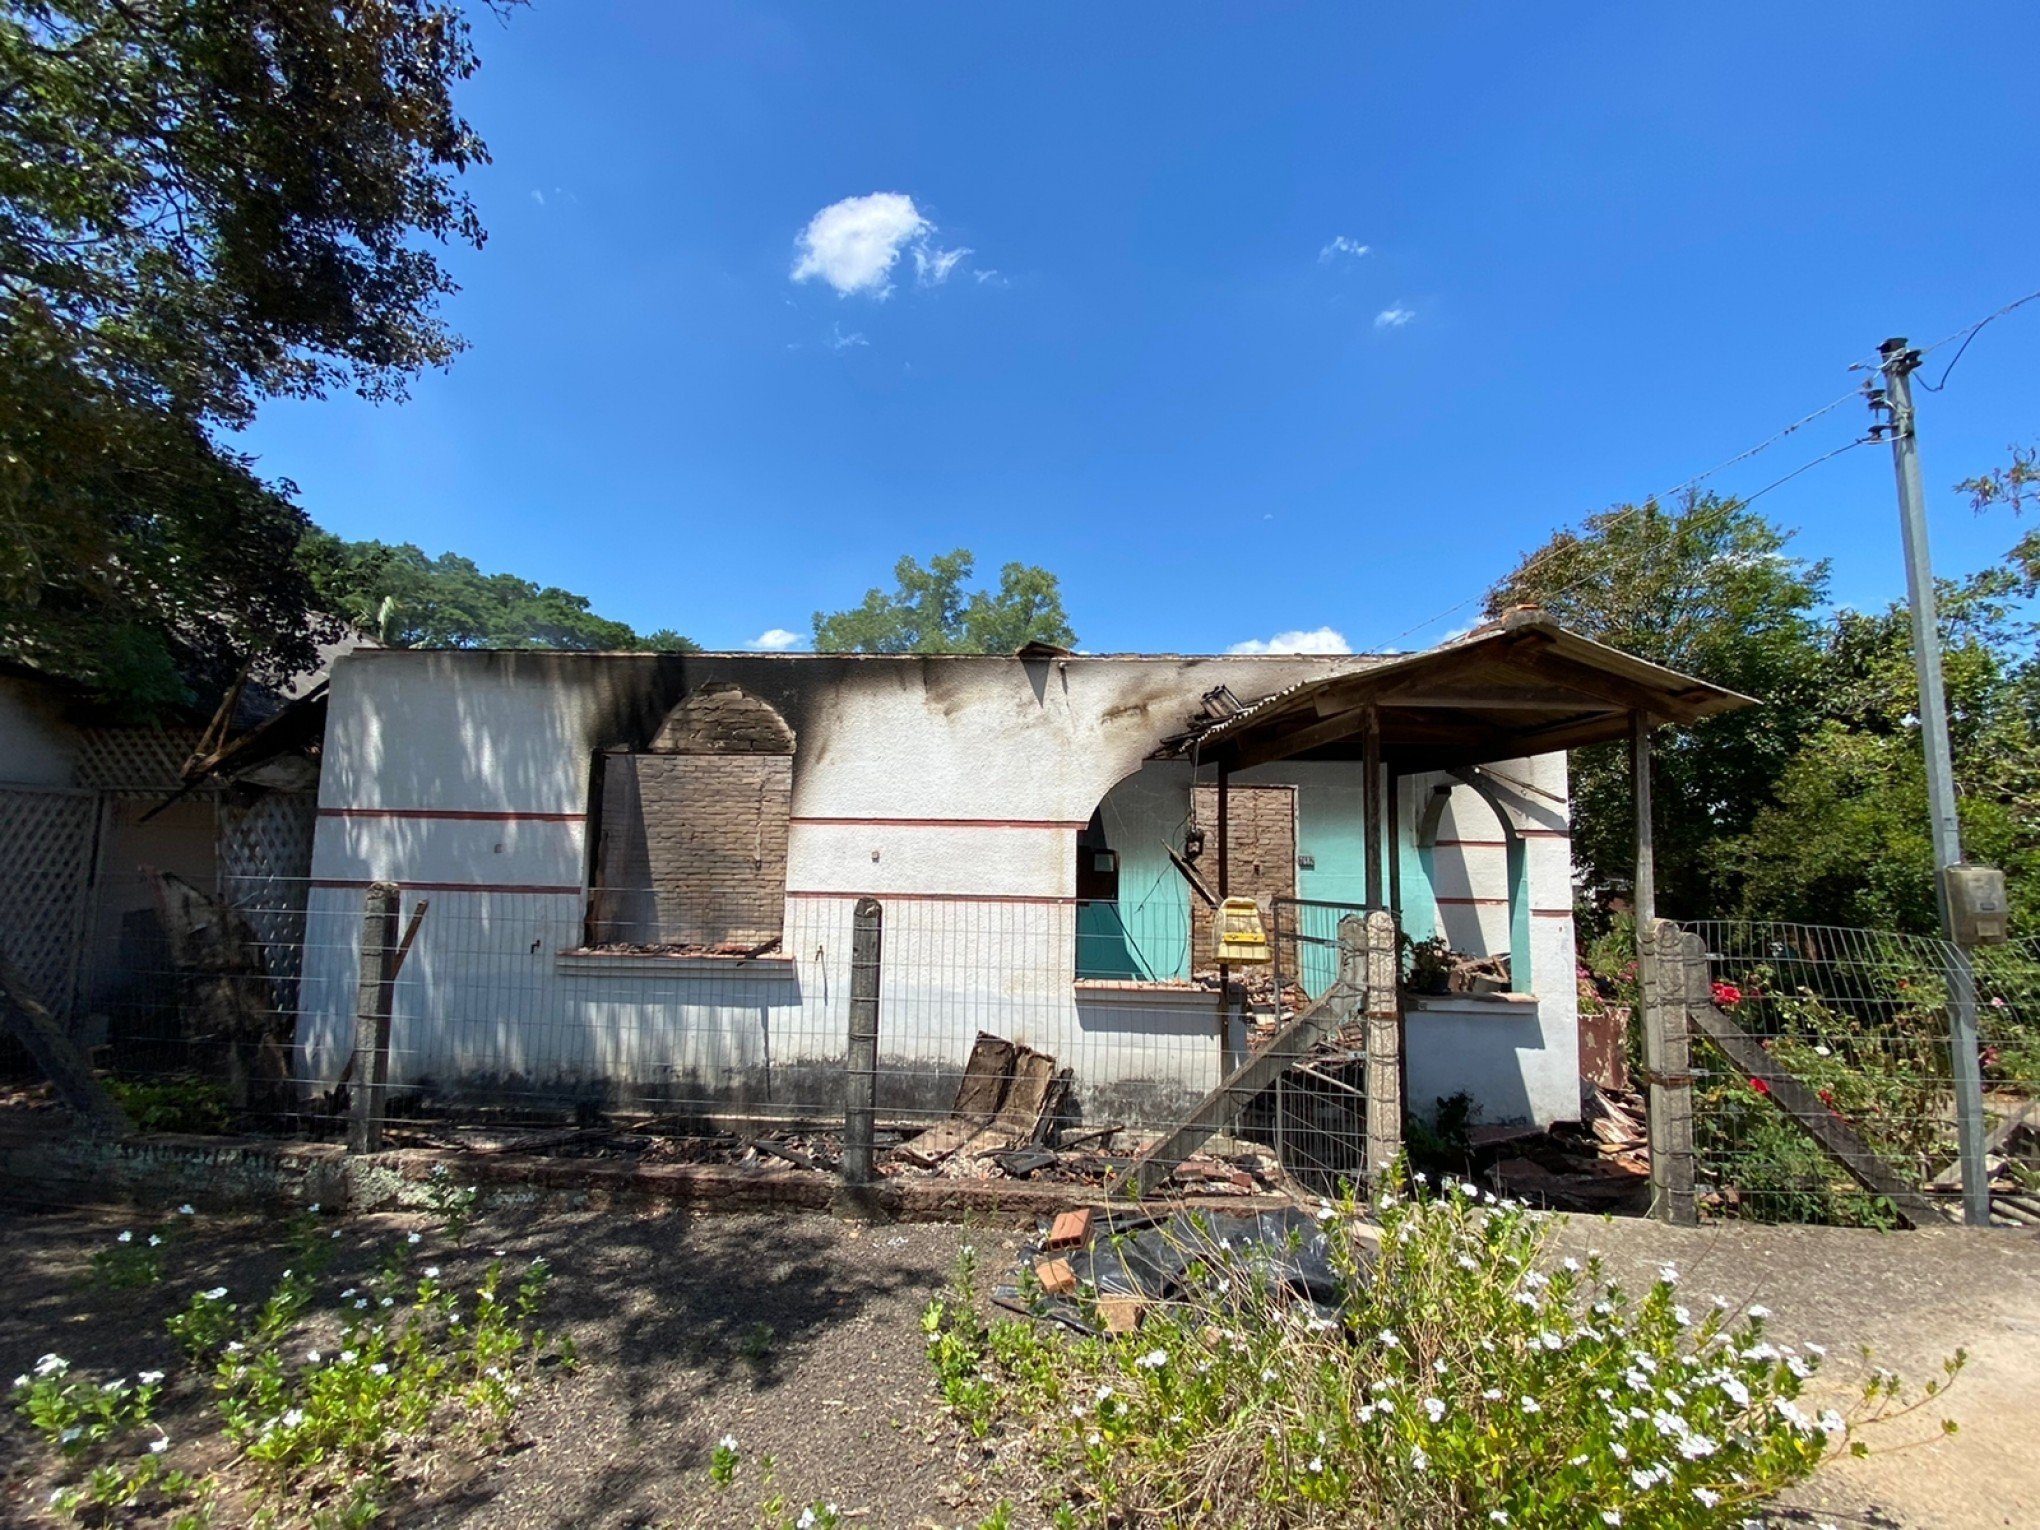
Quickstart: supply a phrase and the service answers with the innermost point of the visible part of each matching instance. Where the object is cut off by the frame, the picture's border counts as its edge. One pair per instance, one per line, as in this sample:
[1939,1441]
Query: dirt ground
[800,1336]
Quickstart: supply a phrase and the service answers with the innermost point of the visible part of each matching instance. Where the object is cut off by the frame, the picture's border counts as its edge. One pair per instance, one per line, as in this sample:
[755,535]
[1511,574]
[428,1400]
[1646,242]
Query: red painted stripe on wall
[454,814]
[1551,913]
[944,823]
[938,897]
[477,887]
[1474,902]
[1472,844]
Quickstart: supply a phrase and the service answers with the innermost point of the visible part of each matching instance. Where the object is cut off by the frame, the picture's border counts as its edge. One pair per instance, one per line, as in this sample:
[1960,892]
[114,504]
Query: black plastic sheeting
[1152,1257]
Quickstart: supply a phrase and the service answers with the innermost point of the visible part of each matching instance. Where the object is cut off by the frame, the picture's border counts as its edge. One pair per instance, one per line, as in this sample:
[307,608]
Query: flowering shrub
[1456,1383]
[321,1393]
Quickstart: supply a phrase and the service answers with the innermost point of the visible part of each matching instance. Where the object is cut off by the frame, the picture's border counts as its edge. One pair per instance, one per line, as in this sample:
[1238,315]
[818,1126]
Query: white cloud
[838,341]
[1341,245]
[989,274]
[1394,317]
[853,244]
[932,266]
[538,196]
[774,640]
[1318,640]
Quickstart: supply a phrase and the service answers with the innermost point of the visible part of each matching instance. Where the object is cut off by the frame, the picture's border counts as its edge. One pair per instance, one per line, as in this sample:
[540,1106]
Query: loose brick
[1072,1229]
[1056,1276]
[1121,1314]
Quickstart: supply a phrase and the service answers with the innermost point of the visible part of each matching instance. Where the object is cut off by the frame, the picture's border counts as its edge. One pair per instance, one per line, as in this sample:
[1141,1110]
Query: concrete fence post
[867,949]
[1384,1023]
[372,998]
[1671,968]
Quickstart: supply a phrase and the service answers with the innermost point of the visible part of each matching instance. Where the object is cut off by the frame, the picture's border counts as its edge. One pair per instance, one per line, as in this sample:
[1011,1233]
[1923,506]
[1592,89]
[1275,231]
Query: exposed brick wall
[693,833]
[721,718]
[1261,853]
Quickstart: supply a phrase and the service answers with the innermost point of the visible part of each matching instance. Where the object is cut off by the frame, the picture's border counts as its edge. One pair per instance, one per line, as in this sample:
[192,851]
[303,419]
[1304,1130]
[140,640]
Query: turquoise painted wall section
[1148,935]
[1143,815]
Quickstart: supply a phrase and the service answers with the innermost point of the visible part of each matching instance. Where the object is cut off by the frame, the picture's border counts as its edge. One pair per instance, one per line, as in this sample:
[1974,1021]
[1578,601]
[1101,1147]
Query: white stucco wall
[952,789]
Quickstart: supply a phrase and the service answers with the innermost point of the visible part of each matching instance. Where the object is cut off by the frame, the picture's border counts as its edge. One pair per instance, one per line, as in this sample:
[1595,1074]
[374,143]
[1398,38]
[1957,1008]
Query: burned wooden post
[1662,957]
[49,1047]
[861,1066]
[1376,953]
[372,998]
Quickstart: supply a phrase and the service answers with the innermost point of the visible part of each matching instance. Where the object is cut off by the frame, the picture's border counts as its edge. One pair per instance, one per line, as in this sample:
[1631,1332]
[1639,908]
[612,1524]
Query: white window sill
[1448,1002]
[649,964]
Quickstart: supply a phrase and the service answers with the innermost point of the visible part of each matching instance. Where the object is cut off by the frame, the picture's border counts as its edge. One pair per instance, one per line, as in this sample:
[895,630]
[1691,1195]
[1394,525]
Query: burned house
[641,869]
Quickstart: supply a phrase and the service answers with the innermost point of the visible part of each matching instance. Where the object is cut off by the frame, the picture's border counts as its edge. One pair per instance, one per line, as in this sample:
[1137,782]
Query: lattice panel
[134,759]
[265,853]
[45,865]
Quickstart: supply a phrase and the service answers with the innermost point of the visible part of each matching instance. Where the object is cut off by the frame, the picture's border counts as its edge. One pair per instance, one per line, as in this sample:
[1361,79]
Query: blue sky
[1605,248]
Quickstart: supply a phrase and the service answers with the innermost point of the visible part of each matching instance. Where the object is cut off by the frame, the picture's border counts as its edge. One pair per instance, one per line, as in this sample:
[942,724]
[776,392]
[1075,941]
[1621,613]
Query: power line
[1695,481]
[1966,333]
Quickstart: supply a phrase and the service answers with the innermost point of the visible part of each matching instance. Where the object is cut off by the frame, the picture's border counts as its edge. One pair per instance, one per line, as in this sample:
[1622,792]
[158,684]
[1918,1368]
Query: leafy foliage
[1460,1379]
[202,204]
[1809,806]
[1708,588]
[405,599]
[930,611]
[323,1396]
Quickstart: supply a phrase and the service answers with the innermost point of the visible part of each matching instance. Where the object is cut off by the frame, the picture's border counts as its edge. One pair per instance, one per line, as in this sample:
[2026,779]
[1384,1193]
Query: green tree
[1845,840]
[1708,587]
[930,611]
[203,204]
[401,597]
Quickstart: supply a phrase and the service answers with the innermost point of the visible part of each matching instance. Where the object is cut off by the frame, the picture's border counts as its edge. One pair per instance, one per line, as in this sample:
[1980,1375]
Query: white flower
[1438,1365]
[125,1237]
[52,1365]
[1388,1338]
[1789,1411]
[1267,1375]
[1153,1360]
[1697,1447]
[235,1346]
[1493,1394]
[360,1302]
[149,1378]
[155,1240]
[806,1520]
[414,1238]
[1435,1406]
[389,1301]
[1325,1213]
[158,1446]
[293,1418]
[1681,1316]
[379,1369]
[1832,1422]
[431,1272]
[69,1435]
[1498,1516]
[1737,1392]
[1529,1405]
[1316,1464]
[1707,1496]
[1419,1460]
[313,1209]
[1103,1393]
[1818,1351]
[1571,1263]
[216,1294]
[1760,1311]
[186,1210]
[1618,1450]
[312,1358]
[1468,1262]
[1669,1274]
[1611,1516]
[728,1442]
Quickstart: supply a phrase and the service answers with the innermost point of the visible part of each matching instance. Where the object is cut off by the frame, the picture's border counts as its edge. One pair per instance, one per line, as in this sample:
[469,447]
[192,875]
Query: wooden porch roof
[1521,685]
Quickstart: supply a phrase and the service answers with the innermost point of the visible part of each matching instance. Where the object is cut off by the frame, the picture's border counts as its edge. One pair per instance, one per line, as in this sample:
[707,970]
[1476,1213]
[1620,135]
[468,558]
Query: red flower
[1827,1098]
[1727,995]
[1760,1086]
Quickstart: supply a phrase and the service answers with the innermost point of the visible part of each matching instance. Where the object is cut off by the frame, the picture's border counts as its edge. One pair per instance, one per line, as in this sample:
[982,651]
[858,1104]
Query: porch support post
[1394,838]
[1643,895]
[1371,798]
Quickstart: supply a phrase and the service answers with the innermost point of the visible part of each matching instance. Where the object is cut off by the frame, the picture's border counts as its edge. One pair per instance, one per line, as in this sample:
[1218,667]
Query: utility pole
[1900,360]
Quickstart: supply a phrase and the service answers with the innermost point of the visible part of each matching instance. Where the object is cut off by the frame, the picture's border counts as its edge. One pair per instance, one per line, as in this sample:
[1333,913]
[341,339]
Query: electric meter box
[1977,909]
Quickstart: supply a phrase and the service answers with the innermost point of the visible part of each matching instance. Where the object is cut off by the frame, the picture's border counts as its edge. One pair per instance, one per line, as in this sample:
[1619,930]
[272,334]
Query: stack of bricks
[694,830]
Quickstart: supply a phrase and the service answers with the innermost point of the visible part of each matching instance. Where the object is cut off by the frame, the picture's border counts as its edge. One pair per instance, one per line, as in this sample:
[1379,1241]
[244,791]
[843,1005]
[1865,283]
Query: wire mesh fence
[237,1002]
[1862,1017]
